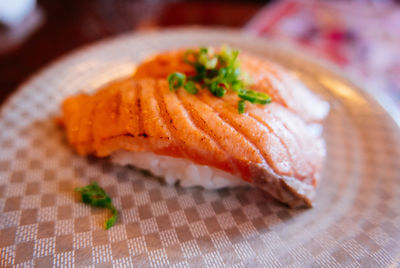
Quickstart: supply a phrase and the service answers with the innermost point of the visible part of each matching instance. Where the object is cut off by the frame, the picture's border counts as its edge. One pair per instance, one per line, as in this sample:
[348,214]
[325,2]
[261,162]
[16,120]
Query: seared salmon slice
[269,146]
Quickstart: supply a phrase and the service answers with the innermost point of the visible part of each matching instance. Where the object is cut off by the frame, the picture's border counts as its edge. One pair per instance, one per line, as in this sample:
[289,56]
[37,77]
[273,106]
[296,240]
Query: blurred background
[359,36]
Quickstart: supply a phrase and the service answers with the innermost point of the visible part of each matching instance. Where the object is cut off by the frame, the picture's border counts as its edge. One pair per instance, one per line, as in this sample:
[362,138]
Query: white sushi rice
[174,170]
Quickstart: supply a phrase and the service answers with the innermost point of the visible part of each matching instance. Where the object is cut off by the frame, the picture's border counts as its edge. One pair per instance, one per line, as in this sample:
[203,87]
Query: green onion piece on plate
[94,195]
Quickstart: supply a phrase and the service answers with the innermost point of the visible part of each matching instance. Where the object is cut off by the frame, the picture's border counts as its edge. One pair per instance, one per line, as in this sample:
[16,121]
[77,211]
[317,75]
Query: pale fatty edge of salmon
[286,189]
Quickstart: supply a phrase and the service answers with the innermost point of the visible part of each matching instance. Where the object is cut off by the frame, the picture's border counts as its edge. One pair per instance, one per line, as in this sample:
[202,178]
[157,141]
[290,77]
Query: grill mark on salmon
[240,129]
[237,128]
[300,143]
[308,148]
[168,121]
[130,115]
[153,125]
[139,108]
[193,142]
[238,165]
[304,164]
[262,139]
[204,139]
[285,137]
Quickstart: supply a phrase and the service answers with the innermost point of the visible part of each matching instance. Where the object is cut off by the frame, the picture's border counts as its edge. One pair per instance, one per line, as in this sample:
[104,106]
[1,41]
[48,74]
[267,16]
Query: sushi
[164,120]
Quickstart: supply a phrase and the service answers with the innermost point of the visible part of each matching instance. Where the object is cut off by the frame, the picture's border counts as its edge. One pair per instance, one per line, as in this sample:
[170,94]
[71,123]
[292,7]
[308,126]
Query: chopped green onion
[94,195]
[237,85]
[186,57]
[228,55]
[254,97]
[218,73]
[176,80]
[216,89]
[201,71]
[211,64]
[208,63]
[111,221]
[220,92]
[203,50]
[190,87]
[222,72]
[213,87]
[241,105]
[236,72]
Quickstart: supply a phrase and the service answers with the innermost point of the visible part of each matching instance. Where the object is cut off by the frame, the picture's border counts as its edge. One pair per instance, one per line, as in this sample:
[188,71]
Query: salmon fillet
[270,146]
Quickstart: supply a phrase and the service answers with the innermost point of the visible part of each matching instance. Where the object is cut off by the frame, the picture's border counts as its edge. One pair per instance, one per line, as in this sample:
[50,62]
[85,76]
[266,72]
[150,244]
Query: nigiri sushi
[235,133]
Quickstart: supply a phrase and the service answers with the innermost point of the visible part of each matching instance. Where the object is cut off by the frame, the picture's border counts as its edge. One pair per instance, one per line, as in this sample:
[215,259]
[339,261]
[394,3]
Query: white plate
[356,220]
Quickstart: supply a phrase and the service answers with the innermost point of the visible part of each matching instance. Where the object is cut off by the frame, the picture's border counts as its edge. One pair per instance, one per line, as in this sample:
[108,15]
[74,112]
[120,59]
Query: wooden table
[69,24]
